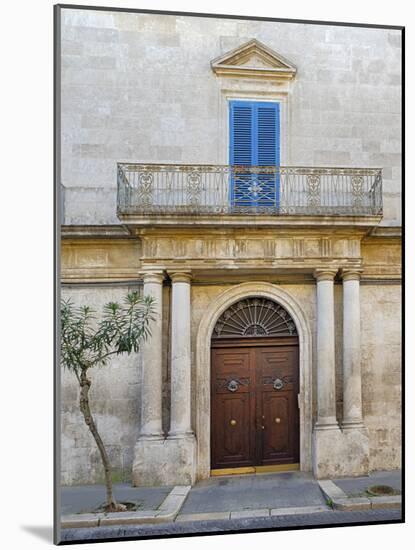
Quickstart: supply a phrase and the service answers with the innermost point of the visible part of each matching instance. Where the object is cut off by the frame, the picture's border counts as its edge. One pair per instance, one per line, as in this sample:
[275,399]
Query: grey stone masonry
[139,87]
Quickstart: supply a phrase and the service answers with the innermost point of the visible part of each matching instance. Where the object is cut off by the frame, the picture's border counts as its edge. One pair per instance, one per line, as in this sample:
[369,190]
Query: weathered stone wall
[381,372]
[115,393]
[104,259]
[139,87]
[115,399]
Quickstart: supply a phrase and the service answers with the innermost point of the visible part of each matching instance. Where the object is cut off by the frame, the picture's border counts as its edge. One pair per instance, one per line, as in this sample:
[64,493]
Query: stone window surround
[238,82]
[243,91]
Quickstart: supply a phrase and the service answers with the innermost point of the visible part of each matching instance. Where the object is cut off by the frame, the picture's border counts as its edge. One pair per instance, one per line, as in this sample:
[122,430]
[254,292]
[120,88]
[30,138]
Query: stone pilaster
[327,437]
[326,386]
[151,399]
[352,378]
[180,424]
[338,452]
[181,443]
[149,447]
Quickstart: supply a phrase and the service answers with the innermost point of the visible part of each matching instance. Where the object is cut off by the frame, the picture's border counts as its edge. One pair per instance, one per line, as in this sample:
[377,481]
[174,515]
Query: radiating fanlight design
[254,317]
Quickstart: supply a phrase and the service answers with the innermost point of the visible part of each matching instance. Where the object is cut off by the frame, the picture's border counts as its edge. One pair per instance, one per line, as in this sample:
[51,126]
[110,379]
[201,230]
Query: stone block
[242,514]
[297,510]
[165,462]
[129,518]
[379,503]
[203,516]
[340,453]
[352,504]
[75,521]
[331,490]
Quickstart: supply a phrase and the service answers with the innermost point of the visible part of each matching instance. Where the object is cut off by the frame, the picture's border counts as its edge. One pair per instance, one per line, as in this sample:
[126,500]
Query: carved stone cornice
[254,60]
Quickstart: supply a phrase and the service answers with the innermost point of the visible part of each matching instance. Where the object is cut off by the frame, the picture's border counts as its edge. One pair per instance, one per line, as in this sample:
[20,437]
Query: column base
[170,461]
[352,425]
[327,423]
[338,453]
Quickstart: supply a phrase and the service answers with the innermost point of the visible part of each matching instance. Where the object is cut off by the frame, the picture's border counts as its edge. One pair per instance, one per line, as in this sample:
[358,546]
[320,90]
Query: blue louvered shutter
[254,141]
[241,152]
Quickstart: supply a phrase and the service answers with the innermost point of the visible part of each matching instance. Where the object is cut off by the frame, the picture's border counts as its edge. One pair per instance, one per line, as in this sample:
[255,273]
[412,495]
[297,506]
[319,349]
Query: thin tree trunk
[85,383]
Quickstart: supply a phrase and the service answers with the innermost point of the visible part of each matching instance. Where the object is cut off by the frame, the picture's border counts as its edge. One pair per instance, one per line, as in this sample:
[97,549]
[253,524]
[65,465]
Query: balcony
[154,193]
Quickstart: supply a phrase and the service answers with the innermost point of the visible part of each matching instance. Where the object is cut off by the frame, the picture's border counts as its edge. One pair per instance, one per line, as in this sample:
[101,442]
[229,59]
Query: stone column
[151,397]
[352,378]
[326,388]
[180,423]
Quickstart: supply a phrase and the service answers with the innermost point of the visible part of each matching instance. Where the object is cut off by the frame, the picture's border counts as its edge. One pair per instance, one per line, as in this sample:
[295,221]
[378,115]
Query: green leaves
[122,329]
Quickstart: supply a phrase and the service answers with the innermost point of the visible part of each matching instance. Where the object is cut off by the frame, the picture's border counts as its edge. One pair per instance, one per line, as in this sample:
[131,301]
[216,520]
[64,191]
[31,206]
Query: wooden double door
[255,416]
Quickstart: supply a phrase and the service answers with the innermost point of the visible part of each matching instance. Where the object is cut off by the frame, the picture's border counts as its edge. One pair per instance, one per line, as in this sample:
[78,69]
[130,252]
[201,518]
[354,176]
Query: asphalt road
[210,527]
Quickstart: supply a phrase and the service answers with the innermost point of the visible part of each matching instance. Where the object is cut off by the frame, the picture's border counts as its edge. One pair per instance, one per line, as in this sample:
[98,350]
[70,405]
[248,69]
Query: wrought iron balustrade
[173,189]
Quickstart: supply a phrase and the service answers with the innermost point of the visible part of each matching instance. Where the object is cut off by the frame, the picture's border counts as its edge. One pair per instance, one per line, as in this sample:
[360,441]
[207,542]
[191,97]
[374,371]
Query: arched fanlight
[254,317]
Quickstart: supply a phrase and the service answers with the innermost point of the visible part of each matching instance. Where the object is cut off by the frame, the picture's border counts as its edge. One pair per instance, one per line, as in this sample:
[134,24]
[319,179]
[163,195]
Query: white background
[26,303]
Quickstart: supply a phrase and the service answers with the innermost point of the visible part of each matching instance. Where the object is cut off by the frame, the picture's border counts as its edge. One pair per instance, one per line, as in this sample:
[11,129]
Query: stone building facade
[145,108]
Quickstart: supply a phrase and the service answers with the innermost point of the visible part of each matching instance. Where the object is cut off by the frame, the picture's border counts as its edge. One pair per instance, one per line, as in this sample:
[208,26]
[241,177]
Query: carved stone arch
[203,339]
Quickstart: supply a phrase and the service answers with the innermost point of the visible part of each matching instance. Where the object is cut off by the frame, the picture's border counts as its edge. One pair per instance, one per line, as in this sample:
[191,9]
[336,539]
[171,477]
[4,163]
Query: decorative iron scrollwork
[145,189]
[313,190]
[193,188]
[260,190]
[357,190]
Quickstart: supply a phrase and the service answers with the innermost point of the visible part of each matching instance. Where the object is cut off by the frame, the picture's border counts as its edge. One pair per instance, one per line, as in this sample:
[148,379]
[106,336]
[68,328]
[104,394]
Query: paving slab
[357,503]
[358,485]
[129,518]
[253,492]
[207,516]
[294,510]
[86,498]
[378,503]
[250,514]
[72,521]
[331,490]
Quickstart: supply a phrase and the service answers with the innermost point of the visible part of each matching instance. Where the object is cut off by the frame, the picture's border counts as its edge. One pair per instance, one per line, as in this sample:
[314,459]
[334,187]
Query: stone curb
[258,513]
[341,501]
[167,511]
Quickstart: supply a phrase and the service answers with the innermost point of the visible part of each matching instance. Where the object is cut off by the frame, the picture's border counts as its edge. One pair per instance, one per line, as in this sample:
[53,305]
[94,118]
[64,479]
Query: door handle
[232,422]
[277,420]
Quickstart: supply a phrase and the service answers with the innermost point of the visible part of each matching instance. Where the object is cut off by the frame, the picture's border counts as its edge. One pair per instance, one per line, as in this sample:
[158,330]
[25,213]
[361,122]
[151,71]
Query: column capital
[154,276]
[180,276]
[324,274]
[351,274]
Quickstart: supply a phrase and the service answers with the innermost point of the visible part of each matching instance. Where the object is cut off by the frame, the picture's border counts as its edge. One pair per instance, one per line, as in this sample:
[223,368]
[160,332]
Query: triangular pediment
[253,59]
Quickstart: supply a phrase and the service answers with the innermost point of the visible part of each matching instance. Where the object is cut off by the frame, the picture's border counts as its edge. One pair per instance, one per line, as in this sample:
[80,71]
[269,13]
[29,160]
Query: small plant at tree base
[86,343]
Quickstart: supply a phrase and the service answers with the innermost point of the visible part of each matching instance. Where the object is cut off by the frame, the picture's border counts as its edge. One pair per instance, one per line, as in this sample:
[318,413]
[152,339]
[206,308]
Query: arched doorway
[254,386]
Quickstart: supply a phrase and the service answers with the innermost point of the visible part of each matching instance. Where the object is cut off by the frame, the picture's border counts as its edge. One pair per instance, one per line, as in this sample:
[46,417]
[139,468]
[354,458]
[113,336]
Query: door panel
[277,392]
[255,417]
[233,408]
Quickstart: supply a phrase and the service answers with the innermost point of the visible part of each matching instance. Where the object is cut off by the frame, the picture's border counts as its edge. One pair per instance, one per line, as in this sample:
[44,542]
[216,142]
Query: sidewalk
[230,497]
[252,496]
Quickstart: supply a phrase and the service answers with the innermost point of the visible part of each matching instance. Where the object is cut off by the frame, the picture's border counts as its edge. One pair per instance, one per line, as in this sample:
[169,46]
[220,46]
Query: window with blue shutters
[254,141]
